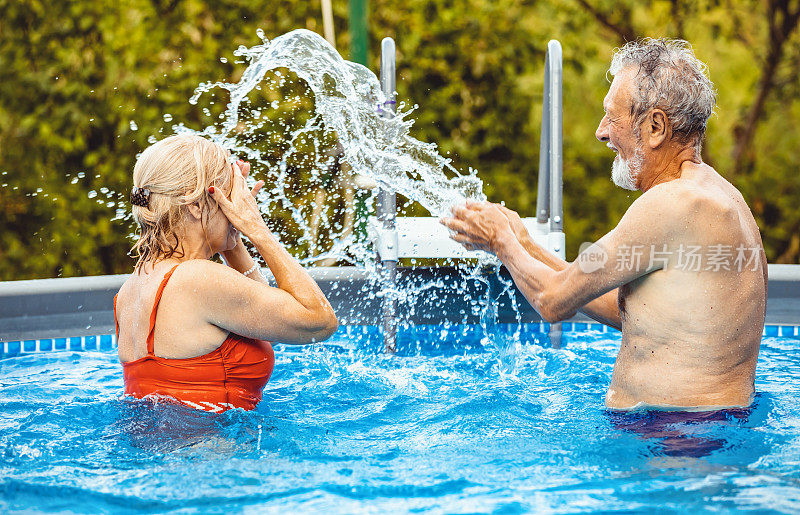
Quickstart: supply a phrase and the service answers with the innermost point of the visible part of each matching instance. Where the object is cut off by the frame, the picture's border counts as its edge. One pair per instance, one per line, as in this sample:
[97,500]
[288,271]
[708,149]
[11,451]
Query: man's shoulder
[669,198]
[691,195]
[679,205]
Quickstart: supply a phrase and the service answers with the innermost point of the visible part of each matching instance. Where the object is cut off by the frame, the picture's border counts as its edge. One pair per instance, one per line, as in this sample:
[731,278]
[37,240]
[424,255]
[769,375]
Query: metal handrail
[549,196]
[554,86]
[386,209]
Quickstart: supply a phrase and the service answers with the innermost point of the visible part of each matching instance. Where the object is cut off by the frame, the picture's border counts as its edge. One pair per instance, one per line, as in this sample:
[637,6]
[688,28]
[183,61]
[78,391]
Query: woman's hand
[241,209]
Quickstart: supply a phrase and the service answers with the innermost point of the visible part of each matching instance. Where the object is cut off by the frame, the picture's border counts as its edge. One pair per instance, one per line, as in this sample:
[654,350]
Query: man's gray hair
[669,77]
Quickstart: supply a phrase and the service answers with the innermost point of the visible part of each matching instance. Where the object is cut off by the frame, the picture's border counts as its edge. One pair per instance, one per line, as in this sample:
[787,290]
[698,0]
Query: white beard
[625,172]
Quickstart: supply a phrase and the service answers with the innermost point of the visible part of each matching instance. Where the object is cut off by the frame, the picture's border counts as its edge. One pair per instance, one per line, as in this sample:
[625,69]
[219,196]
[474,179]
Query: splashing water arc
[347,105]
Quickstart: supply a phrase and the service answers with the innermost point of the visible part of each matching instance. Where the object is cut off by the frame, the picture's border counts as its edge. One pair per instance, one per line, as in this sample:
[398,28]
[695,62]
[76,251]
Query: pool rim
[82,306]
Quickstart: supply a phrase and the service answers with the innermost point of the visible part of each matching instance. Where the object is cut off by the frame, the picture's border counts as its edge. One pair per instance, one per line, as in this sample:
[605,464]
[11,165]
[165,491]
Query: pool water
[459,421]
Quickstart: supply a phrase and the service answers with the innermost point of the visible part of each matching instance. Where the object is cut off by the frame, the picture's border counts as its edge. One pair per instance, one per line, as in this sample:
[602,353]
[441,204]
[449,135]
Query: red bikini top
[230,376]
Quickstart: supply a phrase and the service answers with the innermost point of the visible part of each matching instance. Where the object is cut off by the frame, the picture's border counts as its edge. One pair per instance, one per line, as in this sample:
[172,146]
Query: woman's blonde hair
[177,171]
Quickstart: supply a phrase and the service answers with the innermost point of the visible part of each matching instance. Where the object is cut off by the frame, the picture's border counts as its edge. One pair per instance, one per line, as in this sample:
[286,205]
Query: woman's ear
[195,211]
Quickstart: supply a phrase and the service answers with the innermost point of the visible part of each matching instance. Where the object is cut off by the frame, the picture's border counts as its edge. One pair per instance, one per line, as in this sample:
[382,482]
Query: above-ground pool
[459,421]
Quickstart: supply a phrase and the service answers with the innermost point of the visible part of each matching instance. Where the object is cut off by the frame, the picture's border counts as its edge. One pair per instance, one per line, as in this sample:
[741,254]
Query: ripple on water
[345,429]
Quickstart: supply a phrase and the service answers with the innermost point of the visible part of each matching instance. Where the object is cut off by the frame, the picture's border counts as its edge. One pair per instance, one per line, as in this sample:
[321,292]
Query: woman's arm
[229,300]
[240,260]
[293,279]
[294,312]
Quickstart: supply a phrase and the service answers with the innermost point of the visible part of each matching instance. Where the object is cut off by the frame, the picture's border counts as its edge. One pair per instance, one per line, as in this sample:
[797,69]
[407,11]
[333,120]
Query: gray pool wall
[82,306]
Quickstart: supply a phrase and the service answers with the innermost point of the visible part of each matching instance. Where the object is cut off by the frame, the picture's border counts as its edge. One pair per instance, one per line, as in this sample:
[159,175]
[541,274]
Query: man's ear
[194,210]
[659,128]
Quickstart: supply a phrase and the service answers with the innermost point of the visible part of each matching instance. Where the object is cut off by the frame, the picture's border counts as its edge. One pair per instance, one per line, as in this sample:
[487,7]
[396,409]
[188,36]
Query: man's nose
[602,131]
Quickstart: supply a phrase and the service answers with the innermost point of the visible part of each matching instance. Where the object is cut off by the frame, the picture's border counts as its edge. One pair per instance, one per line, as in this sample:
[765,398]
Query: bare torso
[691,337]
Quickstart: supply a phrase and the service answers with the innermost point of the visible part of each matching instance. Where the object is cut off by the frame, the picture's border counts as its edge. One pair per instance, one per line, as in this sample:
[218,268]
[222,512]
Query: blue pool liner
[108,342]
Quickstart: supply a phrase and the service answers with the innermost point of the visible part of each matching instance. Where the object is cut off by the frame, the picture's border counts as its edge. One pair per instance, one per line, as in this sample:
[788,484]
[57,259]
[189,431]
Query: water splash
[344,125]
[313,127]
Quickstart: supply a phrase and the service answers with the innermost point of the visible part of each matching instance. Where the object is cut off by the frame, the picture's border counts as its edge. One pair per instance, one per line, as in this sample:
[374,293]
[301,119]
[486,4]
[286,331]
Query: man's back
[691,331]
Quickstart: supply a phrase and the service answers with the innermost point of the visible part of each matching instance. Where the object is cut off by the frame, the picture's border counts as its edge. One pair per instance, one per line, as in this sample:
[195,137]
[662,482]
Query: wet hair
[177,171]
[668,77]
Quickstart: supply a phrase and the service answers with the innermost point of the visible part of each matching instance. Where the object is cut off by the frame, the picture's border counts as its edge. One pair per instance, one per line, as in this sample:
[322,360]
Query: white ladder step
[425,237]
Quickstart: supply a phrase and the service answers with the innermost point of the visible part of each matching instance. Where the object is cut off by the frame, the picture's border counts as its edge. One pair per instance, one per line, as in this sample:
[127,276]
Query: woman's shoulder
[191,277]
[131,283]
[200,274]
[192,267]
[150,275]
[203,286]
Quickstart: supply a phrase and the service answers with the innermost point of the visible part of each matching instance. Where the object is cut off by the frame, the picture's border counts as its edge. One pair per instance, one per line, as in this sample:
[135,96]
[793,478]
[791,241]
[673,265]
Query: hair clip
[140,197]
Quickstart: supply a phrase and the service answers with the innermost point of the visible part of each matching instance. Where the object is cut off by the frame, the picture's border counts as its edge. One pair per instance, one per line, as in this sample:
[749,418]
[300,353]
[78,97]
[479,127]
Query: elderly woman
[187,327]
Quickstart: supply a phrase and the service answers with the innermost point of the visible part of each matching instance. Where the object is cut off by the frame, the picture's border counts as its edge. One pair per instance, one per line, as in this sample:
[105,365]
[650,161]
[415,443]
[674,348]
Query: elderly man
[683,274]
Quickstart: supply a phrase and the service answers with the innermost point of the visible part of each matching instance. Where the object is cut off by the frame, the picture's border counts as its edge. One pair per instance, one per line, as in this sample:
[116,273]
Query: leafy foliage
[76,74]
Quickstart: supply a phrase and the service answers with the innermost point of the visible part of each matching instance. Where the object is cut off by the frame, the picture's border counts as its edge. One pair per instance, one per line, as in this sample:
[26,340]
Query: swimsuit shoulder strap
[151,331]
[116,323]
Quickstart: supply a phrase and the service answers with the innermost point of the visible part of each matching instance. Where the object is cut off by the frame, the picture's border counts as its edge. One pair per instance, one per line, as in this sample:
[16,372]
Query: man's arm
[559,294]
[652,220]
[604,309]
[556,295]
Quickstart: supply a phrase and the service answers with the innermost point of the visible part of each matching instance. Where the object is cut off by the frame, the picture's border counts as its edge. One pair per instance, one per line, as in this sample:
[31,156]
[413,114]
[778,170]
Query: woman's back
[181,330]
[231,375]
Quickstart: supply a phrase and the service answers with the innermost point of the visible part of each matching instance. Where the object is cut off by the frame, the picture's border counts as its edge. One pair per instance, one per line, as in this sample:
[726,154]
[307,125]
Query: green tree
[76,74]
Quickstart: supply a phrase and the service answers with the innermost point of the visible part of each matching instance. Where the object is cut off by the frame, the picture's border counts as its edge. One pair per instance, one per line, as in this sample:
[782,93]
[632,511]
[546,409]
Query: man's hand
[479,226]
[534,249]
[520,231]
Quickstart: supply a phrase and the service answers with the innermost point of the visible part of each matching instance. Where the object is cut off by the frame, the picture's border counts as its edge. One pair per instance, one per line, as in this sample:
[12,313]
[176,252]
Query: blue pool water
[458,422]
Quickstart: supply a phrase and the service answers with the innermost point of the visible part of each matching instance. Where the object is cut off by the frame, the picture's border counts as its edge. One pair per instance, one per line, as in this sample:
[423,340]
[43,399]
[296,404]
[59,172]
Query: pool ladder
[425,237]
